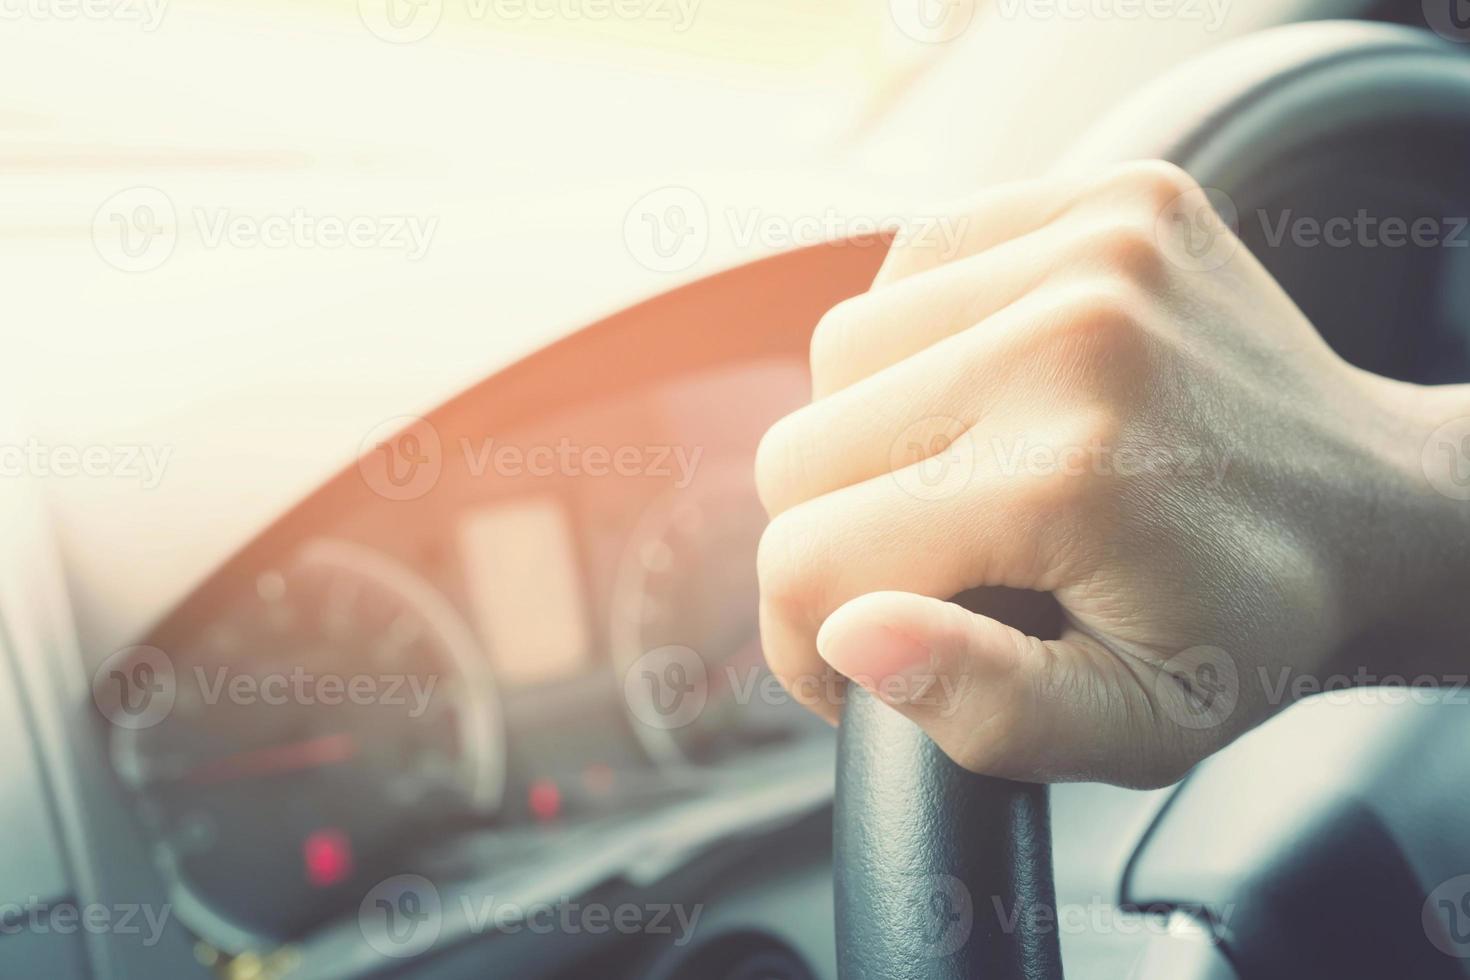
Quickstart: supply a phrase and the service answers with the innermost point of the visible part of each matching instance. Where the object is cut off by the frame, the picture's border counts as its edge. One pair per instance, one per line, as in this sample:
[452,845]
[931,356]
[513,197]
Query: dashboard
[514,628]
[503,668]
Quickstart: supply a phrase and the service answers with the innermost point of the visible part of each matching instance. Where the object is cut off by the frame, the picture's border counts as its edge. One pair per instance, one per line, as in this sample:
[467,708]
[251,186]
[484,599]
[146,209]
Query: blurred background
[505,161]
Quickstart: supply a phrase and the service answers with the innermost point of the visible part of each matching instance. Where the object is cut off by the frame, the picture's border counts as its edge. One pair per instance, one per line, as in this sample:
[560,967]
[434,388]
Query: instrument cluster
[476,634]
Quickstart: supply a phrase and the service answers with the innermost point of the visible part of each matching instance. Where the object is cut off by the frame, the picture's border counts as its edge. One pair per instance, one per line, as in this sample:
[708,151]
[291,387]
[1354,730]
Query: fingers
[937,534]
[996,216]
[1010,211]
[861,336]
[1043,350]
[998,701]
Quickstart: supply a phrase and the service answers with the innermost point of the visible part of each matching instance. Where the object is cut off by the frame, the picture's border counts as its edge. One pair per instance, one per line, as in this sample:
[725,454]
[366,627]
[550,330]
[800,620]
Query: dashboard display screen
[520,569]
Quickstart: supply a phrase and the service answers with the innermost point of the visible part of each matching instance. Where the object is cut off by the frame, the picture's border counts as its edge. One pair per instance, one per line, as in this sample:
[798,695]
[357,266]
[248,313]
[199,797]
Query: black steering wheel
[938,870]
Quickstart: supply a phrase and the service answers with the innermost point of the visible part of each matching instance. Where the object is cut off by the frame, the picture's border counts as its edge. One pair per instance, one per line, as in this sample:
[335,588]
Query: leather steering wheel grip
[940,874]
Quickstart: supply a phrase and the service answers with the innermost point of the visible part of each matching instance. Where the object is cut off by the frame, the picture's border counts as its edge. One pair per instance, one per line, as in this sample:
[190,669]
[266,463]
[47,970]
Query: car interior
[523,546]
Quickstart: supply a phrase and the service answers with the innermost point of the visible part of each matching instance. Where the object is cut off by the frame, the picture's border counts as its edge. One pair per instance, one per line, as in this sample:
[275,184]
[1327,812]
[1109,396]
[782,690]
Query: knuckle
[1155,182]
[1126,249]
[1098,316]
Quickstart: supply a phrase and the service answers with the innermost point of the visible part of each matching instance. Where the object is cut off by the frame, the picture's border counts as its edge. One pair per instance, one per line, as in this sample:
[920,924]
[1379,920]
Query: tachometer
[686,640]
[311,734]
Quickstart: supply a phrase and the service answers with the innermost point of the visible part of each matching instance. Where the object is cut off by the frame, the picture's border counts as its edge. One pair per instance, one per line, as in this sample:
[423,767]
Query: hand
[1082,401]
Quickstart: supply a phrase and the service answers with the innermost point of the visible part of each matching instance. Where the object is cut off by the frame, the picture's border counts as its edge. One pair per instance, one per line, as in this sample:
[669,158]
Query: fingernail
[871,653]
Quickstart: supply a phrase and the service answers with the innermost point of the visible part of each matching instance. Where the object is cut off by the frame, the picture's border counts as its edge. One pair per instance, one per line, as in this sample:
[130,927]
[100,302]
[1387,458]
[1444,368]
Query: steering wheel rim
[938,870]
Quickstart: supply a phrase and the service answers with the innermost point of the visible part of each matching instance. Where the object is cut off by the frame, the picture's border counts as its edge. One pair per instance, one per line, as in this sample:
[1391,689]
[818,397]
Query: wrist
[1413,582]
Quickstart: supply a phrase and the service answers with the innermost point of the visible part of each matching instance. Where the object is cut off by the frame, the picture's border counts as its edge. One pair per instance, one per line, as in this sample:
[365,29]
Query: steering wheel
[939,872]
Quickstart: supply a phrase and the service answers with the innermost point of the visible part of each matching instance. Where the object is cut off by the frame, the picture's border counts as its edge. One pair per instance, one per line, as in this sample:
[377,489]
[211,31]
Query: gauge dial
[686,638]
[319,728]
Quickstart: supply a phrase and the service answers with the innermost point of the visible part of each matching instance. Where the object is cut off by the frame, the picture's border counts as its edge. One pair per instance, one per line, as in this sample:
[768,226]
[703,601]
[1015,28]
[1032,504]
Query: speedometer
[312,732]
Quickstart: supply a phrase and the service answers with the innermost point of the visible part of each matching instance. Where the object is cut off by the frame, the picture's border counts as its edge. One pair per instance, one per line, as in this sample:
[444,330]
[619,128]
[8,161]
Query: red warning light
[544,799]
[328,857]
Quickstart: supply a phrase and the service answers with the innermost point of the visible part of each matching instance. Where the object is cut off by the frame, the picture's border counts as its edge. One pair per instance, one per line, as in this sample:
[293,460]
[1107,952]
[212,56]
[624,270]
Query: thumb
[1003,703]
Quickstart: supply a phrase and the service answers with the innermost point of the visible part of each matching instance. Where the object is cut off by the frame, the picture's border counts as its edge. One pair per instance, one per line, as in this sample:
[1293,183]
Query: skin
[1076,401]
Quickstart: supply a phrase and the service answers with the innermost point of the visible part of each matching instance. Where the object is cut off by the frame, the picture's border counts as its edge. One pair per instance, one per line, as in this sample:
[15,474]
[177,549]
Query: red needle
[311,753]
